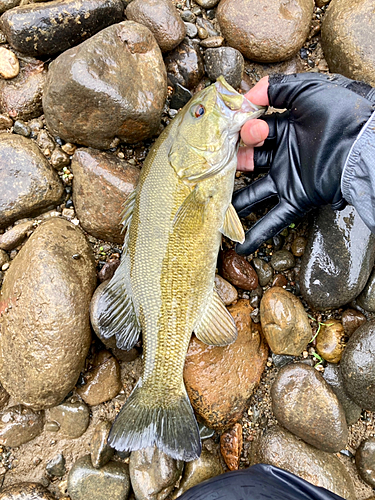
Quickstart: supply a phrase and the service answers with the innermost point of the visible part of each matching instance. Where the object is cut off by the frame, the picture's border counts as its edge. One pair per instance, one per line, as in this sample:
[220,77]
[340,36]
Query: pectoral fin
[216,327]
[232,227]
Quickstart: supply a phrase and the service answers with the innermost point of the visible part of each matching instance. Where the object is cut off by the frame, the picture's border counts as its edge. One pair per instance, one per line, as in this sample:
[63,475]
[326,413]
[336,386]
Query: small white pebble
[5,266]
[9,65]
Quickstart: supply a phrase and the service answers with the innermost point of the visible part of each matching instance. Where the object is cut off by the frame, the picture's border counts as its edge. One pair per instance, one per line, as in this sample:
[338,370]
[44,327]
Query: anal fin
[232,227]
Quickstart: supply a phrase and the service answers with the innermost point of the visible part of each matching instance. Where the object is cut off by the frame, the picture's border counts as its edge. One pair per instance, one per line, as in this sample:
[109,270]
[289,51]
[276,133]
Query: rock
[212,42]
[46,29]
[15,236]
[207,26]
[263,270]
[101,185]
[226,291]
[111,481]
[20,127]
[332,375]
[237,270]
[282,260]
[191,30]
[72,419]
[185,64]
[365,461]
[224,61]
[101,452]
[153,474]
[21,97]
[59,159]
[280,448]
[4,259]
[220,380]
[44,304]
[348,39]
[37,186]
[162,18]
[366,299]
[5,122]
[351,320]
[207,4]
[180,97]
[26,491]
[265,31]
[107,100]
[108,270]
[56,466]
[204,467]
[358,366]
[8,4]
[19,425]
[279,280]
[284,322]
[9,65]
[306,405]
[338,259]
[103,381]
[231,446]
[330,341]
[298,246]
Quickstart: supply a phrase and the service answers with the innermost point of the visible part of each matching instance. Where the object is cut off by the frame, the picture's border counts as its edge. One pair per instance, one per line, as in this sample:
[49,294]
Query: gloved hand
[306,149]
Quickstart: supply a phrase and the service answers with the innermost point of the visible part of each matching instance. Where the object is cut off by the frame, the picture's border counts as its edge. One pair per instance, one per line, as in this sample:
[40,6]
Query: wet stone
[153,474]
[226,291]
[284,322]
[191,30]
[224,61]
[180,96]
[9,65]
[21,128]
[279,280]
[56,466]
[111,481]
[351,320]
[72,418]
[101,452]
[366,299]
[45,141]
[202,33]
[188,16]
[298,246]
[282,260]
[331,340]
[365,461]
[59,159]
[19,425]
[306,405]
[207,4]
[237,270]
[162,18]
[108,270]
[185,64]
[231,446]
[212,42]
[263,270]
[26,491]
[15,235]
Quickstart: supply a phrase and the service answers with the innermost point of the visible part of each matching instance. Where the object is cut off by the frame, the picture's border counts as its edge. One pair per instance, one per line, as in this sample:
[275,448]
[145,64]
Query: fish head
[208,131]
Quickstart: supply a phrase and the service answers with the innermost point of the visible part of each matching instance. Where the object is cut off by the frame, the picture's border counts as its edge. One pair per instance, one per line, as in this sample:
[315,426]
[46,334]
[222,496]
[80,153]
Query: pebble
[101,452]
[365,461]
[153,473]
[330,341]
[237,270]
[162,18]
[19,425]
[298,246]
[282,449]
[4,259]
[188,16]
[358,366]
[279,280]
[111,481]
[224,61]
[45,141]
[207,4]
[366,299]
[38,185]
[226,291]
[282,260]
[265,31]
[202,33]
[135,86]
[9,65]
[72,419]
[220,380]
[15,235]
[306,405]
[231,446]
[5,122]
[56,466]
[108,270]
[49,292]
[59,159]
[21,128]
[285,323]
[263,270]
[101,185]
[351,320]
[180,96]
[191,30]
[338,259]
[26,491]
[212,42]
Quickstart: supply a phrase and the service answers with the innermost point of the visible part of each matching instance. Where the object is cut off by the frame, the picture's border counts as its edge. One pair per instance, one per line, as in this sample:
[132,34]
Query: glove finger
[268,226]
[263,155]
[244,199]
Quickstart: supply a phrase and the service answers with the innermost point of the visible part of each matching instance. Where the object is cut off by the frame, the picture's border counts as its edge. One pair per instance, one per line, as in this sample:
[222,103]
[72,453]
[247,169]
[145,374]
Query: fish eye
[198,111]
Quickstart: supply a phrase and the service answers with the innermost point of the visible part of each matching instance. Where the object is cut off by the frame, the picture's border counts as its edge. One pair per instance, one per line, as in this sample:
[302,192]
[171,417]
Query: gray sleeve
[358,177]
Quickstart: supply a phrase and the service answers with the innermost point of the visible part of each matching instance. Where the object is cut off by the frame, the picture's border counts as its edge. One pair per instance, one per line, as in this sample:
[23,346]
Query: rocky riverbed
[85,88]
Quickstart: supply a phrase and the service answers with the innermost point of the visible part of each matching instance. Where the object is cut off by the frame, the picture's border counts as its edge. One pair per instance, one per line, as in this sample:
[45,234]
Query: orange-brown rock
[351,320]
[231,446]
[220,380]
[330,342]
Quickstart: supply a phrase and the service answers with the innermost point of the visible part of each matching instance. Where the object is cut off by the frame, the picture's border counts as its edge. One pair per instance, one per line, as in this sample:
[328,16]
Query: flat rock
[306,405]
[47,28]
[338,258]
[19,425]
[15,235]
[162,18]
[124,99]
[37,186]
[72,419]
[280,448]
[44,304]
[101,185]
[185,64]
[365,461]
[226,291]
[26,491]
[284,322]
[231,446]
[265,31]
[225,61]
[220,380]
[348,39]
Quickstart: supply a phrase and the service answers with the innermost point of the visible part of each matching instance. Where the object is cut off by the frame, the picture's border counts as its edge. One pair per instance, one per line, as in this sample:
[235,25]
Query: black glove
[306,149]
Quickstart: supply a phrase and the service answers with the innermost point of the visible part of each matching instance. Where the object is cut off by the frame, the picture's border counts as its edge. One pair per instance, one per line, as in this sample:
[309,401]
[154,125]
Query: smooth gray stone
[224,61]
[366,299]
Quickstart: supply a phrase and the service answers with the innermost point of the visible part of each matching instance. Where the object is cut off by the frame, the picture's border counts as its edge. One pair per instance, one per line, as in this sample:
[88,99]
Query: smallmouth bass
[164,285]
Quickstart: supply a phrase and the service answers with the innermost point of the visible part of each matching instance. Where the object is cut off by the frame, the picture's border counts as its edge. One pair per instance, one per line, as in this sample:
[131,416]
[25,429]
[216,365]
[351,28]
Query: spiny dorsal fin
[232,227]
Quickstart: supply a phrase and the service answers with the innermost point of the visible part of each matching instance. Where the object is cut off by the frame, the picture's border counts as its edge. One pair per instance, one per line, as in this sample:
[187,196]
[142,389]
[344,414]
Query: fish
[164,286]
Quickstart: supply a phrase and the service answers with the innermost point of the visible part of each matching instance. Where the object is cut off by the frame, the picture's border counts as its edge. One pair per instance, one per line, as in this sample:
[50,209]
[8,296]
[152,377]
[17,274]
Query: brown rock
[185,64]
[265,31]
[220,380]
[237,270]
[44,322]
[348,39]
[284,322]
[15,236]
[331,340]
[162,18]
[72,419]
[9,65]
[108,270]
[3,258]
[19,425]
[101,452]
[5,122]
[279,280]
[26,491]
[231,446]
[365,461]
[103,382]
[226,291]
[351,320]
[298,246]
[306,405]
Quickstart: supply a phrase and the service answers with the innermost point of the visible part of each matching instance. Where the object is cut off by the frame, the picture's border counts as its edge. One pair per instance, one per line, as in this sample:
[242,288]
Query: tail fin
[171,427]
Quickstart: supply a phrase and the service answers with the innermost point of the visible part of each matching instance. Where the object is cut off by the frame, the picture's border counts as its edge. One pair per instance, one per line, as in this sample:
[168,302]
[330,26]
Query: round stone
[298,246]
[224,61]
[72,419]
[365,461]
[185,64]
[351,320]
[19,425]
[237,270]
[9,65]
[282,260]
[263,270]
[331,340]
